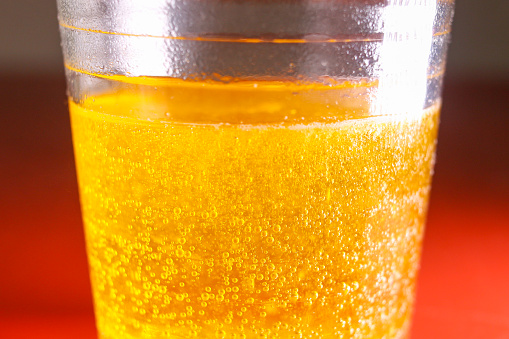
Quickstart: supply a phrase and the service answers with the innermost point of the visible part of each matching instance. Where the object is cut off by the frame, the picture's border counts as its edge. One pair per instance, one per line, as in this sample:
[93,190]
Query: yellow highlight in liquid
[213,212]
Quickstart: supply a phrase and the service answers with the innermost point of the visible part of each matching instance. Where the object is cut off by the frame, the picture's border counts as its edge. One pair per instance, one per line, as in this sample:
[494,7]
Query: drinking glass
[254,168]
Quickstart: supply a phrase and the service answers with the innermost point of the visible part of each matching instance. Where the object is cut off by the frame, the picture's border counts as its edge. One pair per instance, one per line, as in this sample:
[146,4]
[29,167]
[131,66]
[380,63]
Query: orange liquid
[251,210]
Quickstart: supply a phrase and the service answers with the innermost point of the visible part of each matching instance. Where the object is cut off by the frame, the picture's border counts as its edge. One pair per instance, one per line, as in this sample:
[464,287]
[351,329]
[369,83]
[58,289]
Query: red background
[44,288]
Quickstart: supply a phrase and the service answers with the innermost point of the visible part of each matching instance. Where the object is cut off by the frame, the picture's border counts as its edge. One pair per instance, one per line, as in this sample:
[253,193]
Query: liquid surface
[213,216]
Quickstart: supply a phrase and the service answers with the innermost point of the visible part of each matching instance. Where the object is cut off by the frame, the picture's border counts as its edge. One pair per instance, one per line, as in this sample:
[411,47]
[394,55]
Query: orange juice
[262,209]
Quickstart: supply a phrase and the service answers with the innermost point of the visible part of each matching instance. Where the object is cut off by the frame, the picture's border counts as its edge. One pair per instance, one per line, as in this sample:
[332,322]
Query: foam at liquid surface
[253,227]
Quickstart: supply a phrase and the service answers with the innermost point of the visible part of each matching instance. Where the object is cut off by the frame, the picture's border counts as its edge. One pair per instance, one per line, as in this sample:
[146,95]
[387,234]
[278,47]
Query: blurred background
[44,286]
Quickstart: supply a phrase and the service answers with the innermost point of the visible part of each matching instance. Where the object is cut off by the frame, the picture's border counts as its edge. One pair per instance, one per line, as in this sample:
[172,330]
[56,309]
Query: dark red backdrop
[44,289]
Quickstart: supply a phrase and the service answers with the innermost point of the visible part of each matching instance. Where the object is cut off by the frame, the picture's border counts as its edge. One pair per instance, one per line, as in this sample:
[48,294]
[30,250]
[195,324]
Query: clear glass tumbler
[254,168]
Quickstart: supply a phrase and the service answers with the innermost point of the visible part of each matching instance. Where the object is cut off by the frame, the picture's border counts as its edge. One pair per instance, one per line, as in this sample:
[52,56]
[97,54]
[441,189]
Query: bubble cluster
[260,231]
